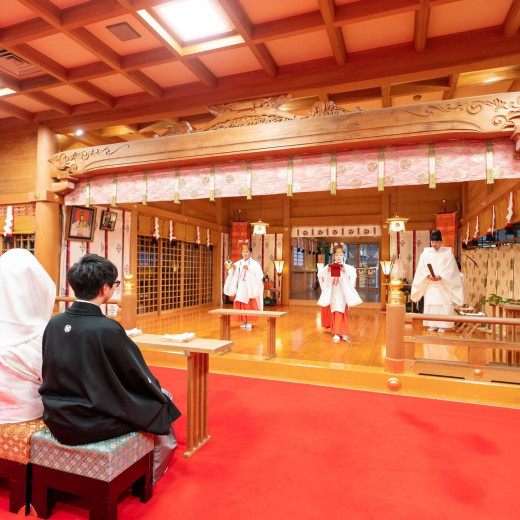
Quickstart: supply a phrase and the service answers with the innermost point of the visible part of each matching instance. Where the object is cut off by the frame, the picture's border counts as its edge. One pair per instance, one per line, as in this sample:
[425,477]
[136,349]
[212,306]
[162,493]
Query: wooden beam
[87,40]
[335,34]
[450,93]
[156,28]
[93,139]
[286,27]
[51,101]
[7,81]
[515,86]
[93,11]
[385,96]
[422,19]
[356,12]
[235,12]
[512,21]
[24,32]
[433,85]
[42,61]
[45,9]
[413,123]
[15,111]
[56,70]
[444,56]
[52,15]
[356,96]
[95,93]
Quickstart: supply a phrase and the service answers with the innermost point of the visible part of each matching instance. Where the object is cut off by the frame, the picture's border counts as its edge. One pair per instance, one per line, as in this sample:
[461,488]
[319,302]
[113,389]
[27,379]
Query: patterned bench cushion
[102,460]
[15,439]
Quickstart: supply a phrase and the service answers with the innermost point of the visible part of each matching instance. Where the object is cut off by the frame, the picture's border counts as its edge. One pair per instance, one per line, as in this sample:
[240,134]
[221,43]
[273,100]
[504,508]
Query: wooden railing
[127,305]
[489,359]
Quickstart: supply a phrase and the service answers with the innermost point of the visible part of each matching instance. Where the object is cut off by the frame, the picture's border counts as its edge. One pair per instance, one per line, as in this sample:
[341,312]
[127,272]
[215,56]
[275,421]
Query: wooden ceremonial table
[197,352]
[225,324]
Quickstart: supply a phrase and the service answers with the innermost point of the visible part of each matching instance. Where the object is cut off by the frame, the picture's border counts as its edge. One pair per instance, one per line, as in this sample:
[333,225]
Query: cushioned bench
[98,472]
[15,461]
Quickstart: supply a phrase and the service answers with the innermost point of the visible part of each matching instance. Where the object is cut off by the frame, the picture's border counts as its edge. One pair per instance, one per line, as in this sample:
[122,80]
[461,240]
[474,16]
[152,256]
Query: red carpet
[292,451]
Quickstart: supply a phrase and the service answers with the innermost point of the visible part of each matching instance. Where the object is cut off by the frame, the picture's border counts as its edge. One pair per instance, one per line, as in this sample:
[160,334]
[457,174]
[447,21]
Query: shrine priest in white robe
[245,282]
[441,290]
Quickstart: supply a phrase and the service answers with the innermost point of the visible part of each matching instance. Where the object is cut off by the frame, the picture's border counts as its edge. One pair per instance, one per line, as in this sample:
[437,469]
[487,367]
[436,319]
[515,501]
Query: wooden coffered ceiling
[68,70]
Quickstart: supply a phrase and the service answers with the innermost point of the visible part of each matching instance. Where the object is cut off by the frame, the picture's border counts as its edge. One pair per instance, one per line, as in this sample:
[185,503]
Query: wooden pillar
[395,311]
[384,250]
[217,256]
[129,303]
[47,248]
[286,253]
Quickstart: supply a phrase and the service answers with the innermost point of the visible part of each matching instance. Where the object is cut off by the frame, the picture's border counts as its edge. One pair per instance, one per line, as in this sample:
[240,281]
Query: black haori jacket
[96,384]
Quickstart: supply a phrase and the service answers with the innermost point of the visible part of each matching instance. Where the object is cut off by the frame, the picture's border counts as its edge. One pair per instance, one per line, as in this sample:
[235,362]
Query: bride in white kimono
[245,282]
[27,294]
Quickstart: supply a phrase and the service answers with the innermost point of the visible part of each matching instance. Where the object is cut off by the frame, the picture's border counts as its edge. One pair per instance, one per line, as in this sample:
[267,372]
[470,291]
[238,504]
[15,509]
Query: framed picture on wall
[108,220]
[80,223]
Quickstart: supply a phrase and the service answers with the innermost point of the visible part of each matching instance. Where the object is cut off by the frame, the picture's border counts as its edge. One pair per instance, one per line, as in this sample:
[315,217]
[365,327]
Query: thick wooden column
[47,211]
[395,311]
[217,257]
[384,251]
[286,255]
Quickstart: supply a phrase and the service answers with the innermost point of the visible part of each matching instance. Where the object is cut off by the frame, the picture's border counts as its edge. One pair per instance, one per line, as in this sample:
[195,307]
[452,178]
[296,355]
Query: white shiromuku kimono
[246,285]
[439,297]
[27,294]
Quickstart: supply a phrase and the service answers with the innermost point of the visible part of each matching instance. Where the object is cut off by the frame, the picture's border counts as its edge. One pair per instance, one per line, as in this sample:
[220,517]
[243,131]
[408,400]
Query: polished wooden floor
[299,336]
[307,354]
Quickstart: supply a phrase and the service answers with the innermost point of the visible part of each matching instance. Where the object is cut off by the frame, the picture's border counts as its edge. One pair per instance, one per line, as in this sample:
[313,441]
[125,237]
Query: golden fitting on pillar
[394,384]
[396,296]
[128,287]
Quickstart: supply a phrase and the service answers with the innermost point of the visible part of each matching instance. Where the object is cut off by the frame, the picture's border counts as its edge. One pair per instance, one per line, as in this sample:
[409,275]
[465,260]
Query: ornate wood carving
[483,117]
[84,160]
[180,128]
[248,113]
[327,109]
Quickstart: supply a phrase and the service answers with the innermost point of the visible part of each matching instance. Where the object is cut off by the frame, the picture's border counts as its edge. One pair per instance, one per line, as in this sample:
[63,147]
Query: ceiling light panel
[194,19]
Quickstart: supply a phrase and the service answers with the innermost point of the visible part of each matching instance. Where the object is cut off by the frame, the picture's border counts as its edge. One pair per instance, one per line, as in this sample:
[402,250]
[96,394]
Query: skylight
[194,19]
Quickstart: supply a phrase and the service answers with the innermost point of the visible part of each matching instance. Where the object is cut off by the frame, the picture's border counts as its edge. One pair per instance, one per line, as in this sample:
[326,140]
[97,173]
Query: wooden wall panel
[479,200]
[18,166]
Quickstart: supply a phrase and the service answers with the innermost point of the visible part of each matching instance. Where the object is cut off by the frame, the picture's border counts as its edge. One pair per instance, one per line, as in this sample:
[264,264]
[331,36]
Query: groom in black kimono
[96,384]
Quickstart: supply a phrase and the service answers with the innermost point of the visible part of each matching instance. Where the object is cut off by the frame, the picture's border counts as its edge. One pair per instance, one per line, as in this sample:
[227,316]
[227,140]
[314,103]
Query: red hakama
[250,306]
[337,322]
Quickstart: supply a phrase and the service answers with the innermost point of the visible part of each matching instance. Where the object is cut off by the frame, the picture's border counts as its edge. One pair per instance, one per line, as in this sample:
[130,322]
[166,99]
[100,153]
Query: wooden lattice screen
[21,241]
[173,275]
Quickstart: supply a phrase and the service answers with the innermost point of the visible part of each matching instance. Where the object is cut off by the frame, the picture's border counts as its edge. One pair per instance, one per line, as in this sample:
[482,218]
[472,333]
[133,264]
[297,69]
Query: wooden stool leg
[271,338]
[104,510]
[41,498]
